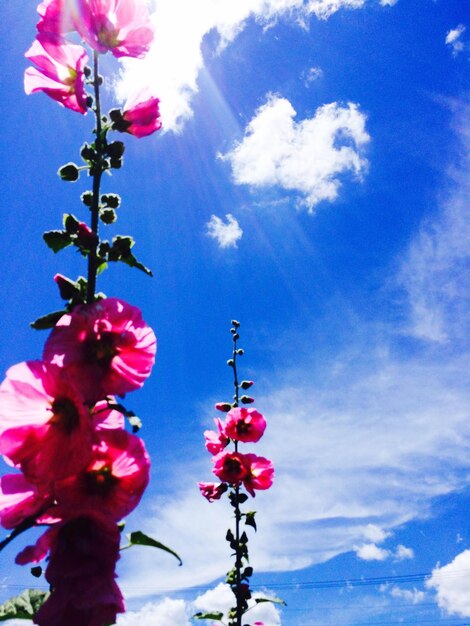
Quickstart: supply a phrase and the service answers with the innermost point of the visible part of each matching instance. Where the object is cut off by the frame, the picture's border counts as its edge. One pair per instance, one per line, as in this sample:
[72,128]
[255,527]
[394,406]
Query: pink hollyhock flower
[141,115]
[55,19]
[212,491]
[229,467]
[20,499]
[112,483]
[45,425]
[106,347]
[59,73]
[216,441]
[120,26]
[259,473]
[242,424]
[81,572]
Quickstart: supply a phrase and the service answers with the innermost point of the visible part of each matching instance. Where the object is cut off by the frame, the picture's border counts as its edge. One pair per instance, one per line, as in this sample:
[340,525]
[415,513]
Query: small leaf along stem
[97,173]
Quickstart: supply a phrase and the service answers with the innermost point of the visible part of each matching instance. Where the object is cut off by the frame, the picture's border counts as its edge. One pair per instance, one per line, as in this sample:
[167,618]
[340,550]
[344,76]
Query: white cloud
[414,596]
[307,157]
[371,552]
[227,234]
[221,599]
[178,612]
[388,3]
[171,68]
[402,553]
[163,613]
[375,534]
[452,585]
[454,39]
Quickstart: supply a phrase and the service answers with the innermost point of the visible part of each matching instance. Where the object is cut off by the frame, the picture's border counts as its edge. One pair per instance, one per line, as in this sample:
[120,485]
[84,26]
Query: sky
[311,181]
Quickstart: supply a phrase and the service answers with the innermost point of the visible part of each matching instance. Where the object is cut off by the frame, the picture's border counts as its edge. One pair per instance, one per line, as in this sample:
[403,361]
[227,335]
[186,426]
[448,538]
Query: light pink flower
[55,19]
[142,115]
[59,73]
[45,425]
[112,483]
[106,347]
[216,441]
[20,499]
[229,467]
[242,424]
[259,473]
[81,572]
[120,26]
[212,491]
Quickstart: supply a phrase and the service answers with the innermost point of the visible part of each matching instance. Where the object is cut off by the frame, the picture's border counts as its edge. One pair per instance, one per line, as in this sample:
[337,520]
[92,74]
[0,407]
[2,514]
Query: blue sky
[312,182]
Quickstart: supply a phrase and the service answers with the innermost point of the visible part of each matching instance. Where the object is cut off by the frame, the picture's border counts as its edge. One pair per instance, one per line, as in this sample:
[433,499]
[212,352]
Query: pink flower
[120,26]
[45,425]
[20,499]
[242,424]
[59,72]
[212,491]
[229,467]
[106,347]
[81,571]
[55,19]
[112,483]
[259,473]
[216,441]
[255,472]
[141,115]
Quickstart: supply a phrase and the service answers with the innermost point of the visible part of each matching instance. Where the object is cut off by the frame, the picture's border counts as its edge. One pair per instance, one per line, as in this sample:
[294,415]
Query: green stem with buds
[97,173]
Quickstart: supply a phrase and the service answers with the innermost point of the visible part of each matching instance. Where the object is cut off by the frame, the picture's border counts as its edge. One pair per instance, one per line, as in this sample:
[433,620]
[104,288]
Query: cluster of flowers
[234,468]
[81,472]
[122,27]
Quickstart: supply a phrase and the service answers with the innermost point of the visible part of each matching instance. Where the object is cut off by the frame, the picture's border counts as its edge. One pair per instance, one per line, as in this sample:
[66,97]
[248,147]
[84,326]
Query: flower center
[65,415]
[108,38]
[101,350]
[100,482]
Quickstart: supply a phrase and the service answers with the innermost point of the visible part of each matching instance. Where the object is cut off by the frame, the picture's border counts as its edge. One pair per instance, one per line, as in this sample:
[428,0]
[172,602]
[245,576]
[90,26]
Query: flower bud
[235,323]
[246,384]
[247,399]
[69,172]
[230,362]
[223,406]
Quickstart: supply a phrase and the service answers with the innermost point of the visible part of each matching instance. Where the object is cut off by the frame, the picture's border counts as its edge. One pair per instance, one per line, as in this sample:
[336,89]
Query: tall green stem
[238,555]
[97,173]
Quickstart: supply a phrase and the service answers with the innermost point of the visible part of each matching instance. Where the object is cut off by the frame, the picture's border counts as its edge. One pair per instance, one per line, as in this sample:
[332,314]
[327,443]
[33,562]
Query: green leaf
[250,519]
[214,615]
[137,538]
[68,288]
[23,606]
[57,239]
[272,600]
[69,172]
[47,321]
[70,223]
[131,261]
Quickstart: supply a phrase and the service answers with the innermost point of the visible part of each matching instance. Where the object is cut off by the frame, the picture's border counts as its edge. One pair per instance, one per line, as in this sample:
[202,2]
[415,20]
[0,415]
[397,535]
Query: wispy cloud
[307,157]
[311,75]
[227,233]
[435,269]
[172,67]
